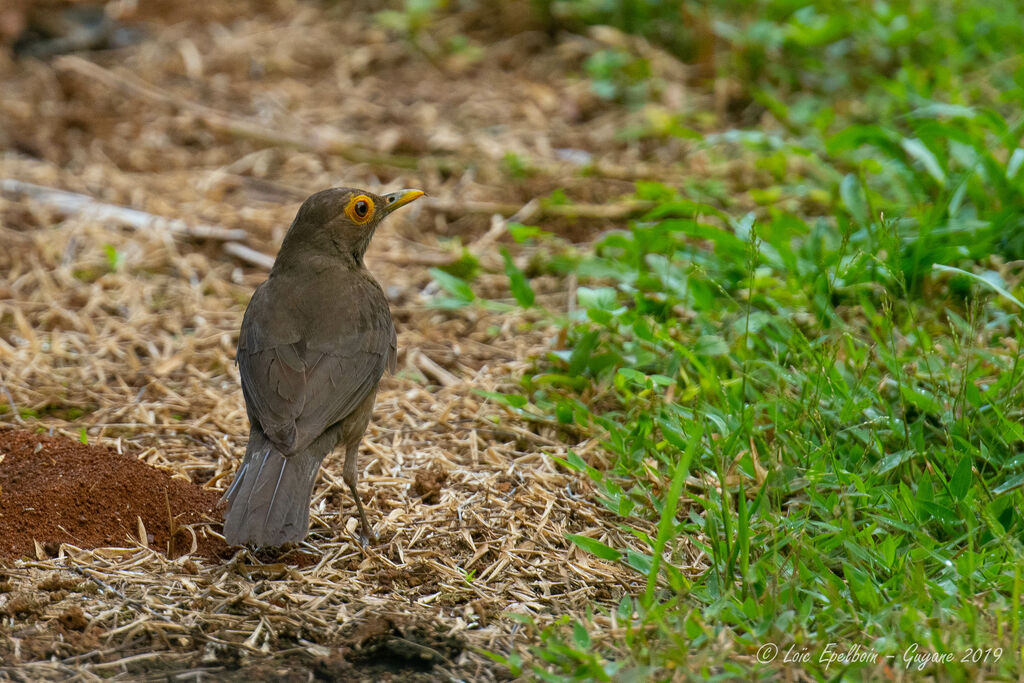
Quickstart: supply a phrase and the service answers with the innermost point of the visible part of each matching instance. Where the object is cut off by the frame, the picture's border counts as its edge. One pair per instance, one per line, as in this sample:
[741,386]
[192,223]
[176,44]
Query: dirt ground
[227,114]
[53,491]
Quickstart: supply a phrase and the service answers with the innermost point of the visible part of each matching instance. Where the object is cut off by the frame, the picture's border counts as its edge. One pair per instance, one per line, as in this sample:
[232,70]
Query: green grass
[824,394]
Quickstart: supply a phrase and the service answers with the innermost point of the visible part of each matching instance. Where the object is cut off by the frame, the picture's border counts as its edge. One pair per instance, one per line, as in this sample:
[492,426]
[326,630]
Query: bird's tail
[268,502]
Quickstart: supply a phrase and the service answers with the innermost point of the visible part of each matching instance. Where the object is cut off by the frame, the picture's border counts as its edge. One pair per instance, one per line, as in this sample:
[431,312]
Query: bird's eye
[360,209]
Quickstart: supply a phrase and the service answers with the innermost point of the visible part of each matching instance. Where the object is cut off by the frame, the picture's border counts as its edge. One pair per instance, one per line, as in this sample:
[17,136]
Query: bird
[315,340]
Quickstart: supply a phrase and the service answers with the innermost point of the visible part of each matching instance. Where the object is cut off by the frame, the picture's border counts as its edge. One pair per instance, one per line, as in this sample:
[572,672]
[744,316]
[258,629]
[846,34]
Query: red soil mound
[54,491]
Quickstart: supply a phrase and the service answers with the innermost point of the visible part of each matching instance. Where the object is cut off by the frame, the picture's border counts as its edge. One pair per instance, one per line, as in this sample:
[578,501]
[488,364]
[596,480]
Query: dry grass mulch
[130,334]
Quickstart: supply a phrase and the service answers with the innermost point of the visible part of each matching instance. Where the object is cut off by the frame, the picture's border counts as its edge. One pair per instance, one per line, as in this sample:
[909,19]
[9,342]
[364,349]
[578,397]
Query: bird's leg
[351,476]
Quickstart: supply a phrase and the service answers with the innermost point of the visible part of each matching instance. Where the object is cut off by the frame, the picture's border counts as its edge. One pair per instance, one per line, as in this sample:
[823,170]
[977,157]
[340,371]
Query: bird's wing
[303,373]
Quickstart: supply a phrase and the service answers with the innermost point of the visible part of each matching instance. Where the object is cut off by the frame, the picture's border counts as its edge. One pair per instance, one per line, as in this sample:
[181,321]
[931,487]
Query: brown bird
[315,340]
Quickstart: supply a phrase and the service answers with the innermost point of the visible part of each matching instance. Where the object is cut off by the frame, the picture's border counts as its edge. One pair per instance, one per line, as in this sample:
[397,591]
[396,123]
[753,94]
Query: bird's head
[341,219]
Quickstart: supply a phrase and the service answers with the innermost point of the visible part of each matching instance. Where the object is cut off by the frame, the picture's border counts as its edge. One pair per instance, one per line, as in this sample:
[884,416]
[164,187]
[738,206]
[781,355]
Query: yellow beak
[394,200]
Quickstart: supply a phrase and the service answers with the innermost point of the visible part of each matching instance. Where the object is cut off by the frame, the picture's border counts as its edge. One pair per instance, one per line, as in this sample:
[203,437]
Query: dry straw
[129,331]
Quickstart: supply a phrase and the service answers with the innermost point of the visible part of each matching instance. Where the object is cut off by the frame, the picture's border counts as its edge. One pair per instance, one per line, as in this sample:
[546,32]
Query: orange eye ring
[360,209]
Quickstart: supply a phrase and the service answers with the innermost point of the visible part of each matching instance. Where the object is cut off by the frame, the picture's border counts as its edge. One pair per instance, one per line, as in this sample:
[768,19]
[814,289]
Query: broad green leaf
[595,547]
[581,353]
[960,482]
[918,151]
[1010,484]
[1014,164]
[455,286]
[893,460]
[601,298]
[988,283]
[852,195]
[920,399]
[517,282]
[513,400]
[580,635]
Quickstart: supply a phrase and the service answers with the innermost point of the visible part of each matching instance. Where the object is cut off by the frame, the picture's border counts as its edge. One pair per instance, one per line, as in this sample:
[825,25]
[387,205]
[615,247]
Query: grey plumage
[315,340]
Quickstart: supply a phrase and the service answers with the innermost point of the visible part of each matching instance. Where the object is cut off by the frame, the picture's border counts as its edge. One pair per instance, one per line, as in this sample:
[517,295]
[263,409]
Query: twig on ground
[481,246]
[249,255]
[623,209]
[73,203]
[430,367]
